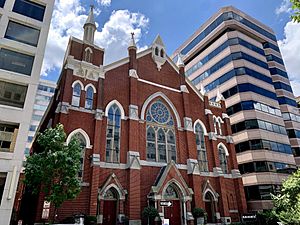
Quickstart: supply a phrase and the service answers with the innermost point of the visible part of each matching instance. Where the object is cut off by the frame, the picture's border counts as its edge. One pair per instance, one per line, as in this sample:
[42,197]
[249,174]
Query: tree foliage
[53,170]
[296,8]
[287,202]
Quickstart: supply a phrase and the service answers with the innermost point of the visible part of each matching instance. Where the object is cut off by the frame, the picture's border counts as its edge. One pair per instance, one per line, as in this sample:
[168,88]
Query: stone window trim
[120,107]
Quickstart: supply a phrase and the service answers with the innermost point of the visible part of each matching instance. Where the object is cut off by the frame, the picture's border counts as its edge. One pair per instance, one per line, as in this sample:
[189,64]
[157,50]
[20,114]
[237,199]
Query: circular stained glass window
[159,112]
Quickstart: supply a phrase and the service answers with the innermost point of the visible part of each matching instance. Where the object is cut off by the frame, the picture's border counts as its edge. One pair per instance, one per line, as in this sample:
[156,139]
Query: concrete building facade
[24,27]
[148,137]
[235,57]
[45,91]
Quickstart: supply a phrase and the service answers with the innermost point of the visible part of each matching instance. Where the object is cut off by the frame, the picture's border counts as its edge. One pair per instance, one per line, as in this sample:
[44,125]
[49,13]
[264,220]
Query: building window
[22,33]
[82,142]
[201,149]
[2,185]
[30,9]
[215,125]
[88,55]
[161,140]
[8,136]
[113,134]
[16,62]
[223,159]
[46,88]
[219,122]
[76,95]
[2,2]
[12,94]
[156,51]
[89,98]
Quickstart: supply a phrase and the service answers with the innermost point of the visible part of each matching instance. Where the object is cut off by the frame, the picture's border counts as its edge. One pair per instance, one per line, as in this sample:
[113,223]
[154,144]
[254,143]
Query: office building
[44,93]
[148,138]
[24,27]
[237,58]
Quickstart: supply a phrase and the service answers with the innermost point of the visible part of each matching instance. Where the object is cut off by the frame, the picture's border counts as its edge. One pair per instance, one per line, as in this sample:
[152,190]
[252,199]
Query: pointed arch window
[113,134]
[223,159]
[89,98]
[219,126]
[76,95]
[162,53]
[82,142]
[215,125]
[88,55]
[201,149]
[161,140]
[156,51]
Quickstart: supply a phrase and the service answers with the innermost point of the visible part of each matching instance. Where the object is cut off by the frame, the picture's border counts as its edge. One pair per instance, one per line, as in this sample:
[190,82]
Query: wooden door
[110,212]
[173,213]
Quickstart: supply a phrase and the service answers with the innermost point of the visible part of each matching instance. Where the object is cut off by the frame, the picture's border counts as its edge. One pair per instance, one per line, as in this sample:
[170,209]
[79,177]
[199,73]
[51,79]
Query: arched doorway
[210,207]
[173,213]
[110,207]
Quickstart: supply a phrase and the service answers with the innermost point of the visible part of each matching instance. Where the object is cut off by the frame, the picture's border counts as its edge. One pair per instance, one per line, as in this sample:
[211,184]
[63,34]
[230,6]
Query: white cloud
[68,19]
[290,48]
[104,2]
[285,7]
[115,34]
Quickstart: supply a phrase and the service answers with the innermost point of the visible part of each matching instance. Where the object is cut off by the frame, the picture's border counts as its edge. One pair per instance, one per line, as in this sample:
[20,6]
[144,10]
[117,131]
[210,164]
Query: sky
[174,20]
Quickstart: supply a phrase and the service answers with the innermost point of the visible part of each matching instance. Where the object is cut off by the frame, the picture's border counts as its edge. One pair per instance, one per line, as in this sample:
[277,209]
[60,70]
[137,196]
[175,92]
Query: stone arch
[168,101]
[224,147]
[84,134]
[116,188]
[208,190]
[78,82]
[201,124]
[119,105]
[178,187]
[90,85]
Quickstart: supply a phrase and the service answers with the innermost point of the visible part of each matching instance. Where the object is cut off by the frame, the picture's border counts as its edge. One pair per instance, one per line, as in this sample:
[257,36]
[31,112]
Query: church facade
[148,138]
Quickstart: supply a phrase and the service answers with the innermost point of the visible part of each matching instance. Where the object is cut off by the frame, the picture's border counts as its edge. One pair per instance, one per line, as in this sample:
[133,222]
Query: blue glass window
[292,133]
[280,85]
[30,9]
[89,98]
[22,33]
[32,128]
[288,101]
[16,62]
[265,166]
[46,88]
[113,134]
[76,95]
[161,139]
[2,2]
[276,71]
[272,46]
[274,58]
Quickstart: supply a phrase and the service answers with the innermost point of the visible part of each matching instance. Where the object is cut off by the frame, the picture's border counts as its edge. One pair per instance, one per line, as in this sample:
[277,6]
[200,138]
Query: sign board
[166,222]
[166,203]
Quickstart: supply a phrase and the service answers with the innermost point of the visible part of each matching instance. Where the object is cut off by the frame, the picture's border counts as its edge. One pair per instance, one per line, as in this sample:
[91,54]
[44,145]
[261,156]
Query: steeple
[89,27]
[132,42]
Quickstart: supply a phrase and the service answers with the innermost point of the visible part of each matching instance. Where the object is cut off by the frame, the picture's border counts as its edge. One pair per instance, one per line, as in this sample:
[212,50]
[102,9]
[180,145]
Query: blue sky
[174,20]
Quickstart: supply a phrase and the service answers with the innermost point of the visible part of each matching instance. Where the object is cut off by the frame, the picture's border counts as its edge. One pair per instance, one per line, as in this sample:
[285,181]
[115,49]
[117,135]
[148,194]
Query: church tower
[89,27]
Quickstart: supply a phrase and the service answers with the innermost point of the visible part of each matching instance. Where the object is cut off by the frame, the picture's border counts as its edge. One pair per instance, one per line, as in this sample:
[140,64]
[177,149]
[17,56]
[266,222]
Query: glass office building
[24,27]
[236,55]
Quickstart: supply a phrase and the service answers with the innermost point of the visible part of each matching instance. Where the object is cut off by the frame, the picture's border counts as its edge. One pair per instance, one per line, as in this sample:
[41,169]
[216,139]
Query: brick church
[148,137]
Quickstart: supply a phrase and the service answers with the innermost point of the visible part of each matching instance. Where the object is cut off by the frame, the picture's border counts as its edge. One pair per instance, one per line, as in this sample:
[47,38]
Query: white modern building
[44,93]
[24,27]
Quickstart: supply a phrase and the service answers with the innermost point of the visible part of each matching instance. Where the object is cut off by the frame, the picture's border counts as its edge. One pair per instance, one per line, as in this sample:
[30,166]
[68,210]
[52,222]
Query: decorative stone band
[133,112]
[188,124]
[215,104]
[99,114]
[212,136]
[229,139]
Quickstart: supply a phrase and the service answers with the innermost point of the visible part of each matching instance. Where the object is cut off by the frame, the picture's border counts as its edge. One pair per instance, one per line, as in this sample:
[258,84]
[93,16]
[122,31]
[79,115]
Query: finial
[202,90]
[219,96]
[132,41]
[179,61]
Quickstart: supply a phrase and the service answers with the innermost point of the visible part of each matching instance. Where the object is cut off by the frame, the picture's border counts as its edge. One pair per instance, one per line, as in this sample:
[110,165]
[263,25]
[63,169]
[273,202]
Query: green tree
[287,202]
[53,169]
[296,8]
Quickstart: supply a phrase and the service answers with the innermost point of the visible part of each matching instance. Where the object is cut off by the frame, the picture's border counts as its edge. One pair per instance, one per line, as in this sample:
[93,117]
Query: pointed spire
[219,97]
[90,27]
[132,42]
[202,90]
[179,61]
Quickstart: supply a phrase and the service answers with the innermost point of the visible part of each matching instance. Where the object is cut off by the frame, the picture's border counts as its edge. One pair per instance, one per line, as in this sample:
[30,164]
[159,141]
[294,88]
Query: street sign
[166,203]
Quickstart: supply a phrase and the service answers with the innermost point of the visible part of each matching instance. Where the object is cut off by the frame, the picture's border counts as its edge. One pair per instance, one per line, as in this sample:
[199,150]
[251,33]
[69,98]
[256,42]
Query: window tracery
[201,149]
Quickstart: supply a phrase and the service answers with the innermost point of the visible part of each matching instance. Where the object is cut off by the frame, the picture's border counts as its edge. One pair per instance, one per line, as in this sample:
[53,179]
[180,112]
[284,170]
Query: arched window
[82,142]
[162,53]
[170,193]
[89,98]
[88,55]
[219,125]
[161,140]
[201,149]
[223,159]
[76,95]
[113,134]
[156,51]
[215,125]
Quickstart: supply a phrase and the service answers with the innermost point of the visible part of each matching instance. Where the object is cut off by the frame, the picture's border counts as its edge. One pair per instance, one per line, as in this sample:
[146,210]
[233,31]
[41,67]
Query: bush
[199,212]
[150,212]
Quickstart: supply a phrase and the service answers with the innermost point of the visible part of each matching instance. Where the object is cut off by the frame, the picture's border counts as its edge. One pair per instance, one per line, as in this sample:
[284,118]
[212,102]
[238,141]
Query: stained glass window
[82,143]
[161,140]
[201,149]
[89,98]
[76,95]
[113,134]
[223,159]
[170,193]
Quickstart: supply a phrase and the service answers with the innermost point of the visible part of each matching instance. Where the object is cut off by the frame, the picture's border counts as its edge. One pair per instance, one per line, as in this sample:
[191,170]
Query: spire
[202,90]
[90,27]
[219,97]
[179,61]
[132,42]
